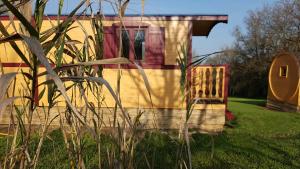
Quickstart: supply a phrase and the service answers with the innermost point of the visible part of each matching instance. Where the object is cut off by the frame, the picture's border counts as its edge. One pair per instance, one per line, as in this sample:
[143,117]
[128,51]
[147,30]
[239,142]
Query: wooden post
[201,83]
[210,82]
[217,82]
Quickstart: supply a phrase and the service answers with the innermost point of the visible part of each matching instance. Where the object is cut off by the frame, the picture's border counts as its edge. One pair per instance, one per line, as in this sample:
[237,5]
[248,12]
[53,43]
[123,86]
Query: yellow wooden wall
[176,35]
[164,83]
[165,87]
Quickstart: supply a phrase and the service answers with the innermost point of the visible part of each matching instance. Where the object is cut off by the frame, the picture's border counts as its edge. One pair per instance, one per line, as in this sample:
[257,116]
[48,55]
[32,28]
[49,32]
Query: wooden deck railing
[210,83]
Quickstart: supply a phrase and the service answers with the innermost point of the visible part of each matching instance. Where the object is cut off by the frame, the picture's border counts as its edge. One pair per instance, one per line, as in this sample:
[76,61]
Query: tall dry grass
[39,44]
[84,77]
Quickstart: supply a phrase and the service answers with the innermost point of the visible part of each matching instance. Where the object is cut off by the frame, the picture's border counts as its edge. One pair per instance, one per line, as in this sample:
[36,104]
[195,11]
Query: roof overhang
[203,25]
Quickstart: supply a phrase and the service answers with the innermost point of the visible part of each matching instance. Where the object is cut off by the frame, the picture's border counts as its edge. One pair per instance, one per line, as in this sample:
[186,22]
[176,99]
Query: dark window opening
[125,44]
[283,72]
[139,45]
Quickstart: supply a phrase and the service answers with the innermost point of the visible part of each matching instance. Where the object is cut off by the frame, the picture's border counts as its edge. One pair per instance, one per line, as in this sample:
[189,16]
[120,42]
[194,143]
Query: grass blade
[63,27]
[17,5]
[5,103]
[36,48]
[39,13]
[14,46]
[10,38]
[22,19]
[146,81]
[60,52]
[120,60]
[4,83]
[60,6]
[102,81]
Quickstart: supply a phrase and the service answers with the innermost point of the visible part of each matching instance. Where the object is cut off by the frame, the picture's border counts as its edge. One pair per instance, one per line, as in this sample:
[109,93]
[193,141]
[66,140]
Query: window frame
[131,31]
[145,44]
[129,39]
[155,44]
[283,71]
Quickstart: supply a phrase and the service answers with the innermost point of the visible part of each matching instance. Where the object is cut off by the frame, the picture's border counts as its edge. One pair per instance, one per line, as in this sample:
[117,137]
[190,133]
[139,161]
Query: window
[139,45]
[283,72]
[133,43]
[125,43]
[144,44]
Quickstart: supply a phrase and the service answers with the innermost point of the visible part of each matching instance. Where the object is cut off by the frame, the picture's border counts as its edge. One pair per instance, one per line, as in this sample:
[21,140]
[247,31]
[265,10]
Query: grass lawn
[261,139]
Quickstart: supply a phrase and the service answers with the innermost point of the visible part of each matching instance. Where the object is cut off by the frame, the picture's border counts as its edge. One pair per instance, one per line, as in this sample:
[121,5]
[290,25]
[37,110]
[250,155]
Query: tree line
[270,30]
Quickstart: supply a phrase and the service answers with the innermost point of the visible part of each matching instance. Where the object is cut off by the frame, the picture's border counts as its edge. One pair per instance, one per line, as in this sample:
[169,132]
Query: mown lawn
[260,139]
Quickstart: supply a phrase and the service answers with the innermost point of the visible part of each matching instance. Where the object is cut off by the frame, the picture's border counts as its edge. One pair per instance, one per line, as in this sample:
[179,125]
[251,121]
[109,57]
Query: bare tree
[269,30]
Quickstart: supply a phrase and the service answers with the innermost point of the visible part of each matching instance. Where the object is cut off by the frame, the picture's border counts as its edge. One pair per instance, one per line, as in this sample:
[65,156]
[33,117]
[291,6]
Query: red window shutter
[110,45]
[155,50]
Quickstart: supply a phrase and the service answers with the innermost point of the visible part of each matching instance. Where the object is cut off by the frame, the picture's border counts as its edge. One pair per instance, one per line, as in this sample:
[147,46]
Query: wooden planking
[275,105]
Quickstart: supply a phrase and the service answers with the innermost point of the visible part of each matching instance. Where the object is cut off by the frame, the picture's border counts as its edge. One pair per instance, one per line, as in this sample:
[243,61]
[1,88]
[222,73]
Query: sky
[220,36]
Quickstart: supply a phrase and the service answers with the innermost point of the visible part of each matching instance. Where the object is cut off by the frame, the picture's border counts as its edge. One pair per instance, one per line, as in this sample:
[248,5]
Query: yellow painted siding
[164,89]
[6,51]
[176,35]
[164,83]
[20,85]
[165,86]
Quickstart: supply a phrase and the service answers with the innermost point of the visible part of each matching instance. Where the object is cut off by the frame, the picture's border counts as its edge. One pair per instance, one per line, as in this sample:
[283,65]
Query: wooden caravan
[154,43]
[284,78]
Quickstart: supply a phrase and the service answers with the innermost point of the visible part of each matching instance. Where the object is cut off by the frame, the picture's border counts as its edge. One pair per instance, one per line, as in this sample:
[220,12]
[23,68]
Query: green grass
[261,139]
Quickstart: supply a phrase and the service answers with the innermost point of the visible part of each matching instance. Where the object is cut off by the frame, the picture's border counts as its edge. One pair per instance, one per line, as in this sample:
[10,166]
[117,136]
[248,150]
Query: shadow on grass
[246,151]
[257,102]
[237,150]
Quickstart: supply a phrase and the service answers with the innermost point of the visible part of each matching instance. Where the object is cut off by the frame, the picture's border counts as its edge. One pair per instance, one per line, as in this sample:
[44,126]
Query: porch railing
[210,82]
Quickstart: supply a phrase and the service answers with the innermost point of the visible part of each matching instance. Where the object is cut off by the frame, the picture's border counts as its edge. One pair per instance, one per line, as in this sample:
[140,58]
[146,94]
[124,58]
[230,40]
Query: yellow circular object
[284,76]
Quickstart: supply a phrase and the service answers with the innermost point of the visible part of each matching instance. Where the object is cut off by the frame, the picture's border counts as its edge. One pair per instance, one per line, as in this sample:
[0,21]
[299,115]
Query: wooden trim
[13,64]
[221,85]
[143,65]
[226,85]
[18,64]
[223,18]
[212,65]
[129,66]
[131,24]
[219,18]
[190,55]
[36,95]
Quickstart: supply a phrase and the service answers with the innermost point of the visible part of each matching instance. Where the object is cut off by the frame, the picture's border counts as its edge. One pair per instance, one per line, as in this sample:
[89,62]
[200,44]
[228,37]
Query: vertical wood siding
[155,52]
[110,42]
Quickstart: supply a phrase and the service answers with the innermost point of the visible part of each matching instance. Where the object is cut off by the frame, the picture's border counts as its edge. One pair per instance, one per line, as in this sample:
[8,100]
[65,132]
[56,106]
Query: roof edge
[186,17]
